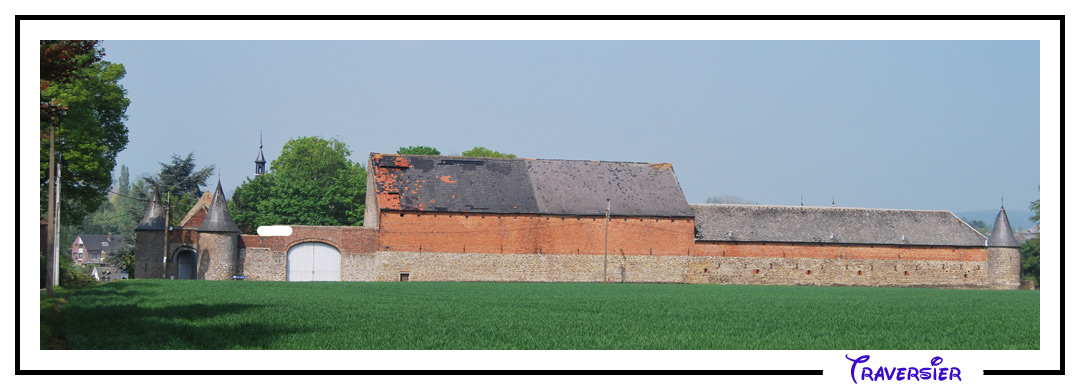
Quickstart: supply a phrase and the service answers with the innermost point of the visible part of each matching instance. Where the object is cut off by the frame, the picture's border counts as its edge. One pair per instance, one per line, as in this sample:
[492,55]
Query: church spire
[260,162]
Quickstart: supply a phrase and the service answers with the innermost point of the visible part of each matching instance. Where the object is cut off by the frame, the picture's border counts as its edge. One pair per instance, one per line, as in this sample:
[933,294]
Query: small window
[404,277]
[858,273]
[103,243]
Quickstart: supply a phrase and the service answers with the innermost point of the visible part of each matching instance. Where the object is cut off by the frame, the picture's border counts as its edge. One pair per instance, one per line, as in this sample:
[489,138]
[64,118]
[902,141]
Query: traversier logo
[883,373]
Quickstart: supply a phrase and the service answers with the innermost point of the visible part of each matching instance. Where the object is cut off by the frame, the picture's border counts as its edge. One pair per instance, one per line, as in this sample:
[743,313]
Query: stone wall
[1004,265]
[218,256]
[434,266]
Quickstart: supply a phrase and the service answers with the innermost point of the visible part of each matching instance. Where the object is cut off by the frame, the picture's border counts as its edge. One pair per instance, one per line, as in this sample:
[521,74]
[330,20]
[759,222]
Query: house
[93,248]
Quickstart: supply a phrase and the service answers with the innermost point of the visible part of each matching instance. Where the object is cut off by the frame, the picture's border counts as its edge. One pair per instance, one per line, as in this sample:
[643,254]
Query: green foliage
[418,150]
[118,215]
[981,226]
[1035,207]
[72,276]
[312,182]
[199,314]
[1029,259]
[89,136]
[480,151]
[179,177]
[728,199]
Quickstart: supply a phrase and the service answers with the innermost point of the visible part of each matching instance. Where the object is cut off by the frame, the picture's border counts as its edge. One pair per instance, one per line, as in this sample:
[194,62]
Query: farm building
[442,218]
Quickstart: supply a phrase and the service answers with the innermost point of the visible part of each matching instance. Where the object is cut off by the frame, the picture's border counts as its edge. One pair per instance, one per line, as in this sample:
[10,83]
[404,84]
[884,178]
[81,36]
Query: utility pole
[607,218]
[165,254]
[53,113]
[56,232]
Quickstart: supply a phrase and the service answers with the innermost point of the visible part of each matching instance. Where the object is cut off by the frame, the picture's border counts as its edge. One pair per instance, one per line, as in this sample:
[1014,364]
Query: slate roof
[93,242]
[217,217]
[515,186]
[841,225]
[1002,235]
[155,214]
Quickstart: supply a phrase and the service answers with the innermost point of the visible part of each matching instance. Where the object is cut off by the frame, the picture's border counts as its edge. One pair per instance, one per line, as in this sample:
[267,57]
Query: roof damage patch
[522,186]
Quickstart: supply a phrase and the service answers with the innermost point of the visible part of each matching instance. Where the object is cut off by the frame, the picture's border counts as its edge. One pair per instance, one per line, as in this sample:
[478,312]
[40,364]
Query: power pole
[607,218]
[165,254]
[56,232]
[53,113]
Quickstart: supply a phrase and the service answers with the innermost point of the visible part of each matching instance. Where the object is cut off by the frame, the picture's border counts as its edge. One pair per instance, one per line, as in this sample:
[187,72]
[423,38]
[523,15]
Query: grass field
[163,314]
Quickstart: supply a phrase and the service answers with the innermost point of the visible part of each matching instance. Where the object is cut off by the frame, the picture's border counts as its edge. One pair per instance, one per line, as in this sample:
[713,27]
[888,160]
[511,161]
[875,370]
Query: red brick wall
[839,251]
[493,233]
[180,235]
[503,233]
[348,239]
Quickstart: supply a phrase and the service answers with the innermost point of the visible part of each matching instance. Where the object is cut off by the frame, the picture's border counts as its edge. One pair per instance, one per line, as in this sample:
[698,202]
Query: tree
[481,151]
[1029,260]
[93,131]
[419,150]
[180,184]
[1035,207]
[180,177]
[728,199]
[981,226]
[312,182]
[61,60]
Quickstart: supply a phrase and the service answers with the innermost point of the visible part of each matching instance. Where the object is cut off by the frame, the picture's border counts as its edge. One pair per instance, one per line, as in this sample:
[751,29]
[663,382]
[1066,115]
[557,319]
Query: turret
[218,241]
[1003,255]
[150,241]
[260,162]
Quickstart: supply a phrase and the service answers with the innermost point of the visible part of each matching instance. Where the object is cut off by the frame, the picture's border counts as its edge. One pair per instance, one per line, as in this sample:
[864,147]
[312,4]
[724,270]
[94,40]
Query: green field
[162,314]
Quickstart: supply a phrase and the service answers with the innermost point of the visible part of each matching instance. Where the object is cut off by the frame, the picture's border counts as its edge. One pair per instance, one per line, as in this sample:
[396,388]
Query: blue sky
[941,125]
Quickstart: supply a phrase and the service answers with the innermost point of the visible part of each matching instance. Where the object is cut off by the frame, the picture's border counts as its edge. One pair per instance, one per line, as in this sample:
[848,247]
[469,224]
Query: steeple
[1002,235]
[155,214]
[260,162]
[217,217]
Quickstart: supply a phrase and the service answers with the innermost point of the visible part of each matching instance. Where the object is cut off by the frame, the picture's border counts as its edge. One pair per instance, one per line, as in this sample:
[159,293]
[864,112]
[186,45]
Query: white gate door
[313,261]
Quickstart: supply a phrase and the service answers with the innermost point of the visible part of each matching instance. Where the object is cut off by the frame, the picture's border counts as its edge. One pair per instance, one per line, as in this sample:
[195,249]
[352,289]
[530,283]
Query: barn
[449,218]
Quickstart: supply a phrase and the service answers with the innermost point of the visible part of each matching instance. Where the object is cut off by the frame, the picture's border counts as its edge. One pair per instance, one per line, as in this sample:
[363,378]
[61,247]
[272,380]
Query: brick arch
[304,240]
[181,248]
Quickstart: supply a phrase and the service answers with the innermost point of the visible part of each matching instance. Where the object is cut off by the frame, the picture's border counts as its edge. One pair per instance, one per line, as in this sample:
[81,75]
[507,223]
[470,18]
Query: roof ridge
[519,158]
[814,207]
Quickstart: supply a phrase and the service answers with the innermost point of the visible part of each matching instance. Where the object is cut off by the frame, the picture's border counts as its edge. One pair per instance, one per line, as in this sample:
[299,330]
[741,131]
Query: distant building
[93,248]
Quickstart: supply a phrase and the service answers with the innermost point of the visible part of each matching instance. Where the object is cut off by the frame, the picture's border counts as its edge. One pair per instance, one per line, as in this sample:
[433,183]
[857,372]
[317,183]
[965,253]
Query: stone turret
[1003,255]
[218,242]
[150,241]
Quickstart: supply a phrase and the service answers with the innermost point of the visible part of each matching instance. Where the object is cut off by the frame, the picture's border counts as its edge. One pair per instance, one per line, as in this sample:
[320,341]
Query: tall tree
[61,60]
[179,177]
[481,151]
[419,150]
[91,134]
[312,182]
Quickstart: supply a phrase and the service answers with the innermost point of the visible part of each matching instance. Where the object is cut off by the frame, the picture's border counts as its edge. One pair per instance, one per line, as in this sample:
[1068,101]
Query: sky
[936,125]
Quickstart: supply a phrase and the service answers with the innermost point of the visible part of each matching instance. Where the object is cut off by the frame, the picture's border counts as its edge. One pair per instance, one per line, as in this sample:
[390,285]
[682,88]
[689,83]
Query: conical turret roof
[217,217]
[155,214]
[1002,236]
[260,159]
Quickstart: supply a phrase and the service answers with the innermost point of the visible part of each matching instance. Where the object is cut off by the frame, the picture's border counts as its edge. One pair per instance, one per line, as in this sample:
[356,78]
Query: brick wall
[839,251]
[265,258]
[532,234]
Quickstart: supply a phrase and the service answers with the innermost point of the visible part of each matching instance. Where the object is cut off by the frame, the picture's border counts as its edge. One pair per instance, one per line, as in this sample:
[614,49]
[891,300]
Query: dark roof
[217,217]
[841,225]
[99,242]
[510,186]
[155,214]
[1002,235]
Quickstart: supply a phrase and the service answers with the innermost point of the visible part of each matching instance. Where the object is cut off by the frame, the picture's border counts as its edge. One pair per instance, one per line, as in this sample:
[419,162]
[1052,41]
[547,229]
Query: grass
[164,314]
